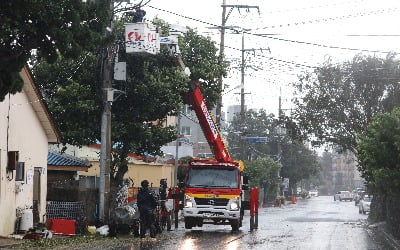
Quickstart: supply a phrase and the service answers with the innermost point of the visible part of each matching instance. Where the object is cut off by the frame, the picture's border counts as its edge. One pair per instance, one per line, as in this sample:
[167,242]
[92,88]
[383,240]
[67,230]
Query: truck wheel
[188,223]
[235,225]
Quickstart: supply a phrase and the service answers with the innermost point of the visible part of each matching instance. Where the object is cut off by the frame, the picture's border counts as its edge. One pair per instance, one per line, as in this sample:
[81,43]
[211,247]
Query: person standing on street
[146,203]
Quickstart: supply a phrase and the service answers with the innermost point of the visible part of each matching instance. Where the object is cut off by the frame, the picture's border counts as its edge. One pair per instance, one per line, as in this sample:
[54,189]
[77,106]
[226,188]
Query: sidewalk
[380,229]
[9,242]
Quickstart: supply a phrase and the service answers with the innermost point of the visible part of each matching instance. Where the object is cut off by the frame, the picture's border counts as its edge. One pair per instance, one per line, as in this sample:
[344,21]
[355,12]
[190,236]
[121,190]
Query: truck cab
[213,194]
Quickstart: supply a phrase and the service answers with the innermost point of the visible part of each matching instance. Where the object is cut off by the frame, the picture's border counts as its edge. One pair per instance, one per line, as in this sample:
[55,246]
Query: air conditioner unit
[12,157]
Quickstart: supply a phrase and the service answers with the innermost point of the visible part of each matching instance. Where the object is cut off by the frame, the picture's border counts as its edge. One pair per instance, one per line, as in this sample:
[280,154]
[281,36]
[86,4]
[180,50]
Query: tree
[155,88]
[51,28]
[337,101]
[378,153]
[379,156]
[263,172]
[200,55]
[298,163]
[256,124]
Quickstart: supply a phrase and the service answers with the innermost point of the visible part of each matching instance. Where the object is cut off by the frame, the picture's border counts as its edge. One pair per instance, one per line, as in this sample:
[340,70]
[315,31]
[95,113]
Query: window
[20,171]
[186,109]
[185,130]
[213,177]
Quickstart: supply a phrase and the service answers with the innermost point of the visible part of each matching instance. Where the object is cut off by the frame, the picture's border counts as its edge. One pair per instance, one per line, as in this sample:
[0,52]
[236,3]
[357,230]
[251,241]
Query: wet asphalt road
[316,223]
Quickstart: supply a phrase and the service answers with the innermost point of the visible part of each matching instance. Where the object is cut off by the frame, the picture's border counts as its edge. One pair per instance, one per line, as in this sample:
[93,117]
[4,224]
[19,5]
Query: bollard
[293,199]
[252,208]
[256,196]
[176,206]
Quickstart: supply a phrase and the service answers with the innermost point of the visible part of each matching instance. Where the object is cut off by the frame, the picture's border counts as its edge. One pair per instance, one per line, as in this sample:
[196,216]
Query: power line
[322,45]
[360,14]
[314,7]
[289,40]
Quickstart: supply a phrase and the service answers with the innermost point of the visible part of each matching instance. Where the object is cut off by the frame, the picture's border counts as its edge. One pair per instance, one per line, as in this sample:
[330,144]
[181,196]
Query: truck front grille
[211,202]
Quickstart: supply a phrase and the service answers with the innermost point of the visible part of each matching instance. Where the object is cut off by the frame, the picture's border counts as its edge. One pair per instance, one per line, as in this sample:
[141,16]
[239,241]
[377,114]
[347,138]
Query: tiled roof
[58,159]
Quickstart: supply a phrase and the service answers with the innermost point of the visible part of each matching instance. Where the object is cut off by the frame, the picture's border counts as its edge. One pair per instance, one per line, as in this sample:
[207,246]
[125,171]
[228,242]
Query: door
[36,195]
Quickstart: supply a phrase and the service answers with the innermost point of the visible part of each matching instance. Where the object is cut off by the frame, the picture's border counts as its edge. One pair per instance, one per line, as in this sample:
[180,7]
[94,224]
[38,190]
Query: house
[26,129]
[83,185]
[139,167]
[68,196]
[62,175]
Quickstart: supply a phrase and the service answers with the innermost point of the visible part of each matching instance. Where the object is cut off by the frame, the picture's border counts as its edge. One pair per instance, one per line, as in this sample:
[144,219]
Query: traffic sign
[257,139]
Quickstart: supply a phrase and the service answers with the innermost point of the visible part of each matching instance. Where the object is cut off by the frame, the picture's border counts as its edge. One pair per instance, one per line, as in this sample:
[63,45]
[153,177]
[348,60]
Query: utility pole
[225,17]
[242,82]
[178,132]
[218,109]
[105,150]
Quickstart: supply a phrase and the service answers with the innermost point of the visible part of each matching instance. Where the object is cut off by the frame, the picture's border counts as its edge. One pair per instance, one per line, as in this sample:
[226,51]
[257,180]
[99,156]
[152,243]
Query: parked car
[342,195]
[313,193]
[364,205]
[358,197]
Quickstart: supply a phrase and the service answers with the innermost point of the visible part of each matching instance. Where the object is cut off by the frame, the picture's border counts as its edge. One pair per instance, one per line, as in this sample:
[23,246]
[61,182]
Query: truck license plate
[209,214]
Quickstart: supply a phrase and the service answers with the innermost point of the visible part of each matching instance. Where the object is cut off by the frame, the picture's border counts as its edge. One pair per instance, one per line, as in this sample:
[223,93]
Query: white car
[364,205]
[342,196]
[313,193]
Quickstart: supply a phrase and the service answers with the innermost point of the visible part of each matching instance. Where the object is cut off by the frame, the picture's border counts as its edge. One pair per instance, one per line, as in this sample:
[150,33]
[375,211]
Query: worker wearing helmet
[146,203]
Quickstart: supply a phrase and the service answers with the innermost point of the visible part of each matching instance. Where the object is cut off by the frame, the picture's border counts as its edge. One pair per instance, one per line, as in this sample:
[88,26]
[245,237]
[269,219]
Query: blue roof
[58,159]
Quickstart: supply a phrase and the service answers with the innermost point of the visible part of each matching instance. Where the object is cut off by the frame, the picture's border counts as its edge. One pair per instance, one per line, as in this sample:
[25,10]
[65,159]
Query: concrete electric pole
[225,17]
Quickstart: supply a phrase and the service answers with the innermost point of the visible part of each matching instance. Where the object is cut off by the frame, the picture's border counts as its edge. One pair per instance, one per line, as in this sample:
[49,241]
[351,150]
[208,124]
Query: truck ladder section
[207,123]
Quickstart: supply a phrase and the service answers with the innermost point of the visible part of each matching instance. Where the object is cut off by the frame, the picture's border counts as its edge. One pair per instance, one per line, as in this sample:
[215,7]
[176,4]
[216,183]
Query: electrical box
[12,158]
[120,71]
[110,95]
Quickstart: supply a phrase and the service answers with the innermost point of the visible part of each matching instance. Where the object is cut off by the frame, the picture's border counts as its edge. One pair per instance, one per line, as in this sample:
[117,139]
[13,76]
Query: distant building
[232,111]
[345,175]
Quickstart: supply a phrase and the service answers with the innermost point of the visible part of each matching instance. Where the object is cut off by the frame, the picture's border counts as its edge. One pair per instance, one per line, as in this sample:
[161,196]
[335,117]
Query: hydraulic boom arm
[210,129]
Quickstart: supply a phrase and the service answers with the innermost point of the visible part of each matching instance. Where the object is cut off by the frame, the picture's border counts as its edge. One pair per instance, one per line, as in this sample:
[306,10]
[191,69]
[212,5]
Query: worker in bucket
[146,203]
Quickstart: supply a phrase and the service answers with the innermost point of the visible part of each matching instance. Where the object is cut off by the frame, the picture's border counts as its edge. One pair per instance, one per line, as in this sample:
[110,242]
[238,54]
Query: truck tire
[235,225]
[188,223]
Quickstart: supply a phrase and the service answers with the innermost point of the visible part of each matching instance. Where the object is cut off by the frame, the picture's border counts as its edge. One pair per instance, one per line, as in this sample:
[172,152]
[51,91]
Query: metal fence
[68,211]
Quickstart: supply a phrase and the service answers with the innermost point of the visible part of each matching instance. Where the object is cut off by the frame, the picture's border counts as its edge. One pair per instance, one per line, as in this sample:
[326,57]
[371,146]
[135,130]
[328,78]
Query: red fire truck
[215,190]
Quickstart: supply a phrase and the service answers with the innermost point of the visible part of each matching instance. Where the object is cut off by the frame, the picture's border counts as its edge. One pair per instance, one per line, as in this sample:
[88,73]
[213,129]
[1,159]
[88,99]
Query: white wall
[26,135]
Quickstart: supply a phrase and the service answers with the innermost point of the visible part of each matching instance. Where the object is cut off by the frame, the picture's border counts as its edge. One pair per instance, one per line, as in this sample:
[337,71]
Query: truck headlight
[234,204]
[188,201]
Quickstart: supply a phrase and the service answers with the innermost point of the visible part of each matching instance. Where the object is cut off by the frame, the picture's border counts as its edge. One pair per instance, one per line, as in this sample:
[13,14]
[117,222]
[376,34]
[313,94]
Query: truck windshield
[213,177]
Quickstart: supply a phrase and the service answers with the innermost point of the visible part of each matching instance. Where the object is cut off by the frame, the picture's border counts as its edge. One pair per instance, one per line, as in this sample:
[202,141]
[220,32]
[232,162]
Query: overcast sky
[303,33]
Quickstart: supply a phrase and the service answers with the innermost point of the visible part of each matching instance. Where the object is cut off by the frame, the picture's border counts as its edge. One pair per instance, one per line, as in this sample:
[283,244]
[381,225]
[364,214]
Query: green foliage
[379,153]
[200,55]
[263,173]
[69,87]
[298,162]
[339,100]
[51,28]
[256,124]
[154,89]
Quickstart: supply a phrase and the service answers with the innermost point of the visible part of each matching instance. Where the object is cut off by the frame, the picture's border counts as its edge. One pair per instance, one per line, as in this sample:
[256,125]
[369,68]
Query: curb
[389,238]
[10,245]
